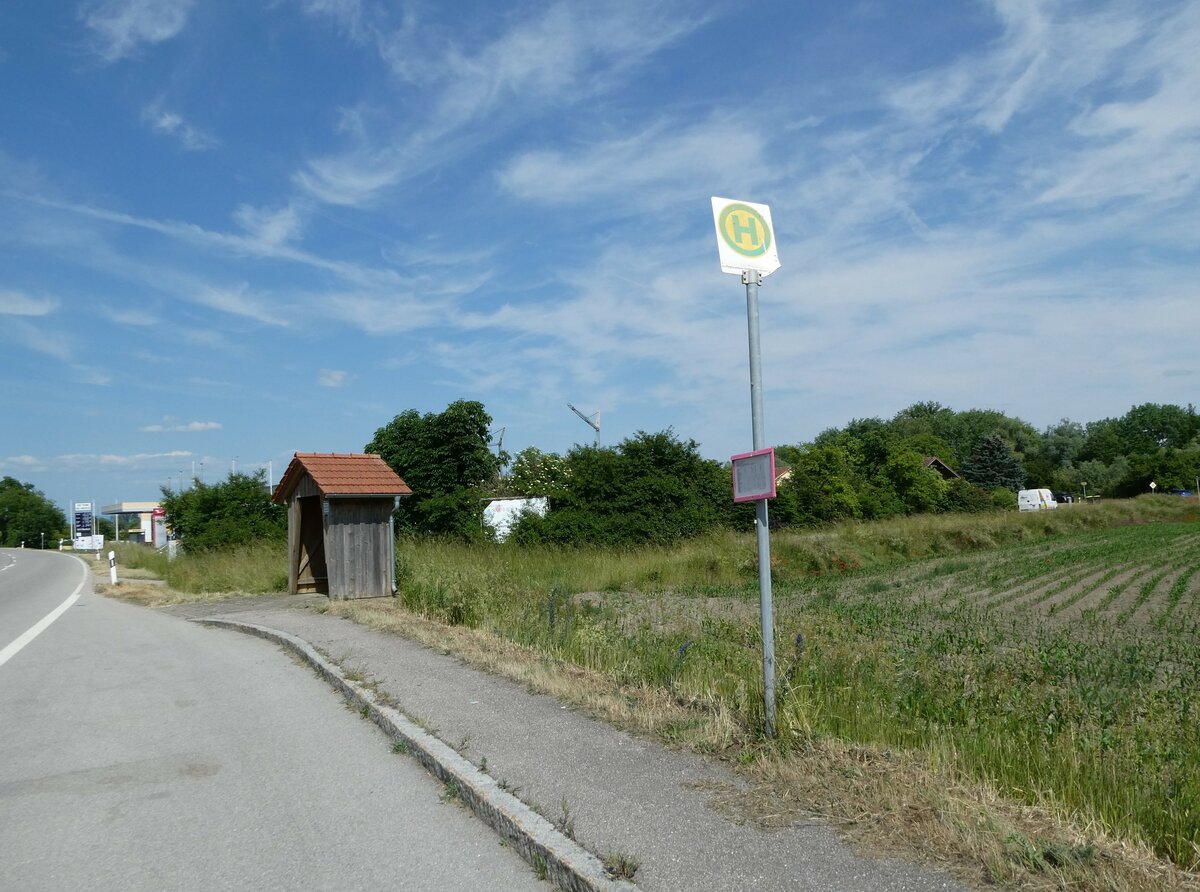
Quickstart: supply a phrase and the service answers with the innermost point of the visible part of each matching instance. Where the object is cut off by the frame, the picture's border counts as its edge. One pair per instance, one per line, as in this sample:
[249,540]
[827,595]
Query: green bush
[652,488]
[962,496]
[1004,498]
[237,511]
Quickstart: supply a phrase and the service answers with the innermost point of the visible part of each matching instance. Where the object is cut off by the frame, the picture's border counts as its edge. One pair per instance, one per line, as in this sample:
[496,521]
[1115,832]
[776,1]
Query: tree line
[28,517]
[657,488]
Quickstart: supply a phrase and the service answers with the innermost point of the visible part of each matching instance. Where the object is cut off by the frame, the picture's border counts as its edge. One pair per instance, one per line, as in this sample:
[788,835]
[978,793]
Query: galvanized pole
[752,279]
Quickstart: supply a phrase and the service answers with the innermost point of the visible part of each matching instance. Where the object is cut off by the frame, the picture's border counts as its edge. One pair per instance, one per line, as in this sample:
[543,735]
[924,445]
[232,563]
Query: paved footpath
[624,794]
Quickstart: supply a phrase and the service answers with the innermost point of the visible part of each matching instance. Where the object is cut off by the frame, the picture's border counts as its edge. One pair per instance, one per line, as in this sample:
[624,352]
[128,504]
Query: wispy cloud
[16,303]
[172,124]
[32,337]
[666,161]
[136,317]
[332,378]
[240,301]
[561,54]
[56,344]
[172,426]
[102,460]
[253,244]
[1144,144]
[270,227]
[122,26]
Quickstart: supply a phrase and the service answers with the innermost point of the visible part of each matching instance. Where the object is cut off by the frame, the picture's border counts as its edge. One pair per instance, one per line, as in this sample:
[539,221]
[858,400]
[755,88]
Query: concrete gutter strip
[567,864]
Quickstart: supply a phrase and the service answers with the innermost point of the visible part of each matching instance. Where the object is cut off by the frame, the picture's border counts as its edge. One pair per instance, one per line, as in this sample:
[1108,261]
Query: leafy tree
[925,418]
[961,496]
[819,489]
[992,465]
[26,514]
[1101,478]
[652,488]
[235,511]
[1103,442]
[1168,468]
[537,473]
[1059,446]
[1021,437]
[1062,442]
[1149,427]
[921,489]
[445,458]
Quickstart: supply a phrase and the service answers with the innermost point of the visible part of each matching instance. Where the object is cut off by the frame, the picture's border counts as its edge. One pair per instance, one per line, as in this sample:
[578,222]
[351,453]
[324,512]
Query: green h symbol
[749,228]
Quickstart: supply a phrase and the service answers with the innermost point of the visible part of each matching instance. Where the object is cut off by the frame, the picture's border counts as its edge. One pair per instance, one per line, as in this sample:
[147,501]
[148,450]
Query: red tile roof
[336,474]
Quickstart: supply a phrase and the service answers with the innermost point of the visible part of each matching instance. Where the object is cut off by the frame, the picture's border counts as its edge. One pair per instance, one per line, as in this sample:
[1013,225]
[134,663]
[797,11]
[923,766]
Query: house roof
[340,475]
[935,463]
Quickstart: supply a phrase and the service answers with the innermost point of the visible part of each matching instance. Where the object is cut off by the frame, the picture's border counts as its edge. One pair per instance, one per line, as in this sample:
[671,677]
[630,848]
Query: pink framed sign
[754,475]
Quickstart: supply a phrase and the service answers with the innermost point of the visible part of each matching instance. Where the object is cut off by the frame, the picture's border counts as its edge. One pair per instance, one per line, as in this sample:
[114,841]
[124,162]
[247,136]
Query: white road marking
[41,625]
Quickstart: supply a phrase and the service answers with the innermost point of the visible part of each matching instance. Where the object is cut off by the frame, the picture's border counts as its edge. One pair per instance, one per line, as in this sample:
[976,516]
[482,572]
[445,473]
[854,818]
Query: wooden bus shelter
[341,541]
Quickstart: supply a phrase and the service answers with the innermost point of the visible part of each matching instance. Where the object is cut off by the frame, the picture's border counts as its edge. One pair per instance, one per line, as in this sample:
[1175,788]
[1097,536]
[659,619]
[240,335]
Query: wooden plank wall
[357,550]
[293,544]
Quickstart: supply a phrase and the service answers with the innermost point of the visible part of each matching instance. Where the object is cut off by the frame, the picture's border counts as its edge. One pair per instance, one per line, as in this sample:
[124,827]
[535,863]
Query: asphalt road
[139,751]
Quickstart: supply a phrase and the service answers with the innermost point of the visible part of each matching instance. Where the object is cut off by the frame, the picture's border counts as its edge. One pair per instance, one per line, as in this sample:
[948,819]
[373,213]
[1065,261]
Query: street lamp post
[1084,484]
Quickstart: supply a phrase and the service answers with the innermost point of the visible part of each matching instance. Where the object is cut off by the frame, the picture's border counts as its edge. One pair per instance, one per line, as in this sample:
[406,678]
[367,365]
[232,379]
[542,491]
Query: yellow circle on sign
[744,229]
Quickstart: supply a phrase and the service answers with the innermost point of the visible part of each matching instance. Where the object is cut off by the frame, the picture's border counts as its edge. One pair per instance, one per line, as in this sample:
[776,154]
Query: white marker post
[746,244]
[112,567]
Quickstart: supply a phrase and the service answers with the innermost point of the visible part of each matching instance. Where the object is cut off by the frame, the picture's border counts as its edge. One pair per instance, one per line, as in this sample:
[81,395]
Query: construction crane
[587,419]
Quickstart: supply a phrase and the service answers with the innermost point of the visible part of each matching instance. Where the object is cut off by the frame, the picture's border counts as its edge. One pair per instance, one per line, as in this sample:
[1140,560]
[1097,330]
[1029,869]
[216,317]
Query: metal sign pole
[752,279]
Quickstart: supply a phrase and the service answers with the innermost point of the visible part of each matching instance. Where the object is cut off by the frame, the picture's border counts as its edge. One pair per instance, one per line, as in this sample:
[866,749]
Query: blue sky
[230,230]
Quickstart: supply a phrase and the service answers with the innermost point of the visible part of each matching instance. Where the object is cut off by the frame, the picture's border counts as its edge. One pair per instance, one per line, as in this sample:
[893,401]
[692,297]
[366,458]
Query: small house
[341,540]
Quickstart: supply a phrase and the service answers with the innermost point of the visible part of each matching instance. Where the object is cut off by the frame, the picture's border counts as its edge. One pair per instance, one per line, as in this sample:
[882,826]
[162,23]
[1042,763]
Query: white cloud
[228,243]
[170,425]
[172,124]
[54,344]
[270,228]
[122,26]
[57,345]
[332,378]
[237,301]
[664,159]
[16,303]
[346,14]
[350,180]
[131,316]
[102,460]
[561,55]
[1045,49]
[21,461]
[1144,145]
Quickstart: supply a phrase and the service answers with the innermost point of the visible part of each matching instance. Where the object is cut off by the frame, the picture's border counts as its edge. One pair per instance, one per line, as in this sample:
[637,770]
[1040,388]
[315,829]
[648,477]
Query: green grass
[947,635]
[1055,655]
[254,569]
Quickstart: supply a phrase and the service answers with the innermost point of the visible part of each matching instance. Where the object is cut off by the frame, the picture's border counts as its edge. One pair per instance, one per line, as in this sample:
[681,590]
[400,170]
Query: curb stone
[567,864]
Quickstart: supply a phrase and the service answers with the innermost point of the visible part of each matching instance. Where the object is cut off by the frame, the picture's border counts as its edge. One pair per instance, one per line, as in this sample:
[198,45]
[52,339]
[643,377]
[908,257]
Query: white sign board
[754,476]
[745,236]
[87,543]
[84,519]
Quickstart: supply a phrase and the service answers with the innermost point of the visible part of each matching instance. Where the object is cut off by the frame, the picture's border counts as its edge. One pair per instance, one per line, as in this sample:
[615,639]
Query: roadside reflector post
[746,246]
[112,567]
